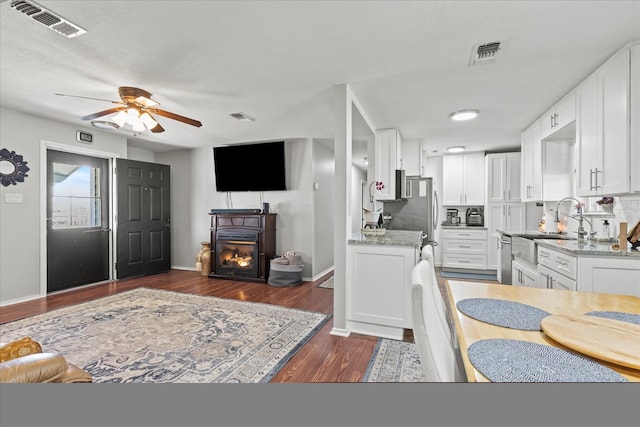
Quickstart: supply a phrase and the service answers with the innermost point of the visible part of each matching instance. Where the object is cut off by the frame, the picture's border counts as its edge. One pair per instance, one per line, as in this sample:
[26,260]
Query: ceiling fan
[137,109]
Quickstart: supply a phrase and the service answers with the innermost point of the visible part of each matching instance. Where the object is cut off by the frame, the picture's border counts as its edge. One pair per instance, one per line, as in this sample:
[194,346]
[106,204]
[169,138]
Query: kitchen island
[378,288]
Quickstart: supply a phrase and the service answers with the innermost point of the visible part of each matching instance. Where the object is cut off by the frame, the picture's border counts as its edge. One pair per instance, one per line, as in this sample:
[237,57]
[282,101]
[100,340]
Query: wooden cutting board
[605,339]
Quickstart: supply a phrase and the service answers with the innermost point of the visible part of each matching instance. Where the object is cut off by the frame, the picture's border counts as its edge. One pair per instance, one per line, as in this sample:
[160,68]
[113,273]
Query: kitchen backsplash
[625,209]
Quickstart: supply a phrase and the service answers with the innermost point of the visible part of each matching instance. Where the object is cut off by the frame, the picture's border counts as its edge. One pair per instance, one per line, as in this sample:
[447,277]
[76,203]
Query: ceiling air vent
[242,116]
[485,53]
[48,18]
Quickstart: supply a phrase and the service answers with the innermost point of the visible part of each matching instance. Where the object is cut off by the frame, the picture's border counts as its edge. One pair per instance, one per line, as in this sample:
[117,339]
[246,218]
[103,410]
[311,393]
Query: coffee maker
[452,217]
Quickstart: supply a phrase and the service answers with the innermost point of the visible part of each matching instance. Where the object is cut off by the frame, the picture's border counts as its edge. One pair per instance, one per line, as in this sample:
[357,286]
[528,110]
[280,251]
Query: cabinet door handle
[551,117]
[596,175]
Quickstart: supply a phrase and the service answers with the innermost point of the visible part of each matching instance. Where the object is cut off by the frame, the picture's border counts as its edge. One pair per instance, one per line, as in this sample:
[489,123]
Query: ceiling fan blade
[103,113]
[157,129]
[87,97]
[174,116]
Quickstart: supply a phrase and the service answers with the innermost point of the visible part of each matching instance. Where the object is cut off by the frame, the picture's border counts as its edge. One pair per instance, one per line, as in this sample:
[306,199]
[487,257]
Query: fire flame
[561,227]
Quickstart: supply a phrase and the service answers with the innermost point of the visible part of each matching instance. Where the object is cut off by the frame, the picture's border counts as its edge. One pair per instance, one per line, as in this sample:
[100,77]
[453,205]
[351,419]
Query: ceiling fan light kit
[104,124]
[135,109]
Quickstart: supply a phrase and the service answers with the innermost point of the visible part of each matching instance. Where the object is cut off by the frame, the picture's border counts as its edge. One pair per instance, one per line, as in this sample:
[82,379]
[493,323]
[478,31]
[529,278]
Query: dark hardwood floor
[324,358]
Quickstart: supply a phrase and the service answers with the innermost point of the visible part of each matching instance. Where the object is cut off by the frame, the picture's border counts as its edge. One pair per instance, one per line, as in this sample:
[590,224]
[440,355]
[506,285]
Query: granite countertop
[389,238]
[534,234]
[586,248]
[454,226]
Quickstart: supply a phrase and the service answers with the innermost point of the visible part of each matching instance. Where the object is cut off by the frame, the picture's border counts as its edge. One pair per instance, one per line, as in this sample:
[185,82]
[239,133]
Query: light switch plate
[13,198]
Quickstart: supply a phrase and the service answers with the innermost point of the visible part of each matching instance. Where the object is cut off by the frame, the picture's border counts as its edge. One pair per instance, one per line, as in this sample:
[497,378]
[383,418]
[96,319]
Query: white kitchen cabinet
[463,179]
[547,278]
[501,216]
[531,160]
[524,275]
[503,177]
[379,291]
[635,117]
[558,116]
[413,158]
[610,275]
[388,158]
[464,248]
[503,211]
[602,274]
[603,145]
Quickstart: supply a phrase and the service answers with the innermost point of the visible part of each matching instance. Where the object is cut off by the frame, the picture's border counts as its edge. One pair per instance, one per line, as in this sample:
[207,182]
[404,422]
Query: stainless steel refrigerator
[419,210]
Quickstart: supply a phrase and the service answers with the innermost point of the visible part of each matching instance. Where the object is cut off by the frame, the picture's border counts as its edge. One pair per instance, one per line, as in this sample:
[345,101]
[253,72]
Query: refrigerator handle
[436,208]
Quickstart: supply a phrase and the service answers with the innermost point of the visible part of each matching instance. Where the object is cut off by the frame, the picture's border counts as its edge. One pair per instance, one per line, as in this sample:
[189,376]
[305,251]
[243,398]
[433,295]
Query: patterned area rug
[394,362]
[156,336]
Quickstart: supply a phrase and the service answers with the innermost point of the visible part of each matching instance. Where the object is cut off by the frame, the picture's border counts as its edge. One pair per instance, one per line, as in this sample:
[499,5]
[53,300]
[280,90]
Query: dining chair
[437,346]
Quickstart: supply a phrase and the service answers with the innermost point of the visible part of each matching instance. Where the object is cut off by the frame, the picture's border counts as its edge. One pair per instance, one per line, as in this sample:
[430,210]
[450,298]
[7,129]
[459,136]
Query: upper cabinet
[635,117]
[413,157]
[603,128]
[531,161]
[388,158]
[503,177]
[558,116]
[463,179]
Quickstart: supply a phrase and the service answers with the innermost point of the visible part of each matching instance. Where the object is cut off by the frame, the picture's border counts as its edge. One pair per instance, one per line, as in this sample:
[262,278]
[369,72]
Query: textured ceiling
[278,61]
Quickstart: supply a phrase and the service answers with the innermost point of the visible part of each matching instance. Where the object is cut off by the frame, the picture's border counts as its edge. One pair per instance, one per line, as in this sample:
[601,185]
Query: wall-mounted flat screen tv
[250,167]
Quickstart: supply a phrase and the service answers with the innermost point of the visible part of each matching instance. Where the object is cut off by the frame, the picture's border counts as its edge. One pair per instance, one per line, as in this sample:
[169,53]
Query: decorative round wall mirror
[13,168]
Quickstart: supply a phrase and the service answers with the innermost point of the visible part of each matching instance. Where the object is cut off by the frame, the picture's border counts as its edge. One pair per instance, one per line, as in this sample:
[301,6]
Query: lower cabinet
[547,278]
[464,248]
[611,275]
[523,274]
[379,289]
[602,274]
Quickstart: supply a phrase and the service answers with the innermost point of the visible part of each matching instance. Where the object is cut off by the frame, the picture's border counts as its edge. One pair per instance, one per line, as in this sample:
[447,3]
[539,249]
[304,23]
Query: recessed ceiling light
[456,149]
[103,124]
[464,115]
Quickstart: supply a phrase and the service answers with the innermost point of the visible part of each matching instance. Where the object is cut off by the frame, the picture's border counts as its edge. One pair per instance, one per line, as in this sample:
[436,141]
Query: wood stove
[242,245]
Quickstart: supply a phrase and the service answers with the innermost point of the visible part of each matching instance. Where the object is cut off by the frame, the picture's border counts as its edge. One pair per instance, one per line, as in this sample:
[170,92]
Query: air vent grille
[48,18]
[484,53]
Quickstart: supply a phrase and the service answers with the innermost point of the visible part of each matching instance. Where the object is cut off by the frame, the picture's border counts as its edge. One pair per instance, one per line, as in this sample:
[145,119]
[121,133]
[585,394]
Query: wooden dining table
[554,301]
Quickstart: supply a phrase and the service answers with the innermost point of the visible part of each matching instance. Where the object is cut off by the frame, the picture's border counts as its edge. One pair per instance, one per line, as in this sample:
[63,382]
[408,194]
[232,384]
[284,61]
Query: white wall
[21,224]
[183,246]
[323,170]
[194,195]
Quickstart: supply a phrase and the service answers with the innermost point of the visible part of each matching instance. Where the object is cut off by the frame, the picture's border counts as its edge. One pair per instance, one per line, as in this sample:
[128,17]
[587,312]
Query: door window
[76,201]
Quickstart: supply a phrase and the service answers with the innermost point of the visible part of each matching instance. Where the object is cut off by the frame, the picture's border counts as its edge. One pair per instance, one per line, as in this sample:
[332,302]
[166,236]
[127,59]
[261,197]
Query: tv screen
[250,167]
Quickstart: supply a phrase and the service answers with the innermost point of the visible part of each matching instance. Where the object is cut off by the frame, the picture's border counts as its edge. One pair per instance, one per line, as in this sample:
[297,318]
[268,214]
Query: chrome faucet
[581,231]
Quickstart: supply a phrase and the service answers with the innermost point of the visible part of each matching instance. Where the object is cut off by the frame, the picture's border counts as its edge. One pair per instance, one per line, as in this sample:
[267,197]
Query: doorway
[78,225]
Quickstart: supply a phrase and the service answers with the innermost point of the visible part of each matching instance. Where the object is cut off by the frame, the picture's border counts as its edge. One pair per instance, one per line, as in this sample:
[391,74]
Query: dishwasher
[504,270]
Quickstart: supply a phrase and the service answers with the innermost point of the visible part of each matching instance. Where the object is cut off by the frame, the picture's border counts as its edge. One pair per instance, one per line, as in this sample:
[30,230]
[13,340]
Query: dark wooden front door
[144,225]
[77,220]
